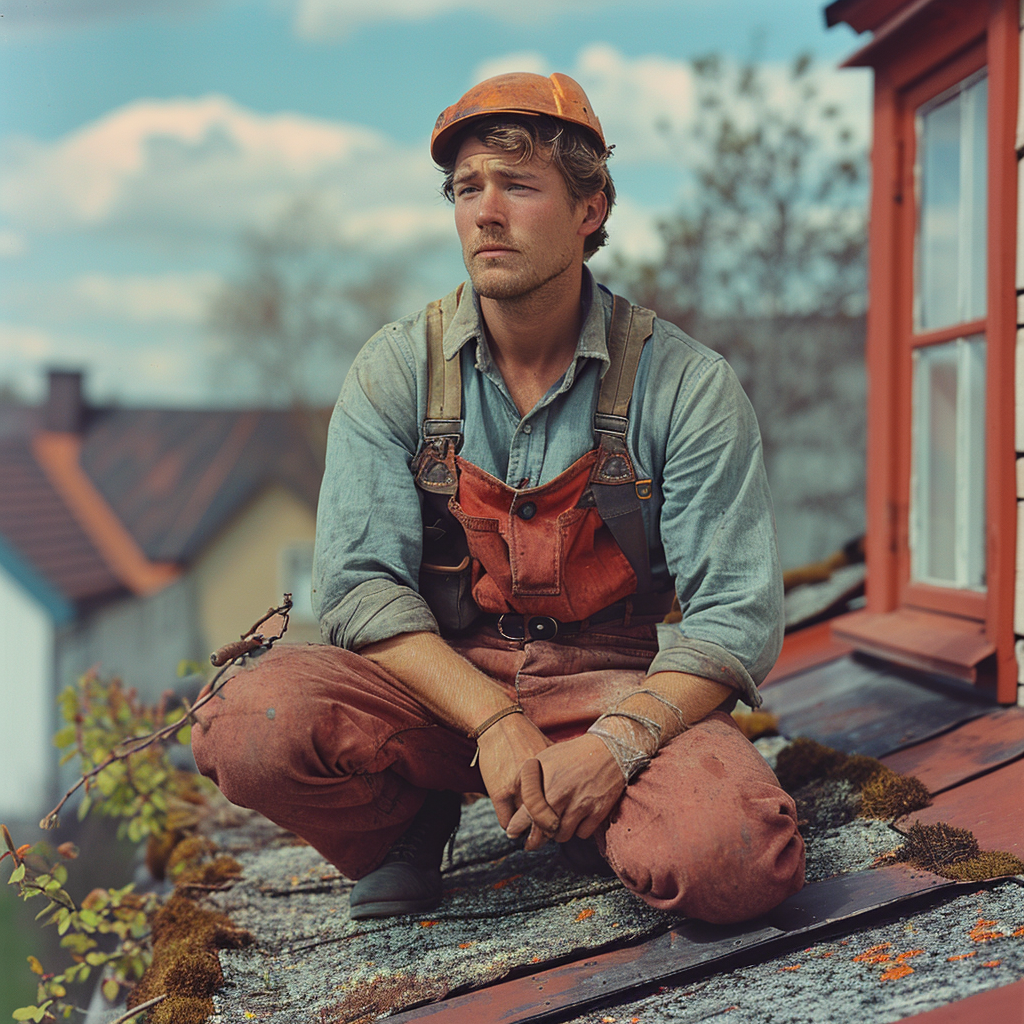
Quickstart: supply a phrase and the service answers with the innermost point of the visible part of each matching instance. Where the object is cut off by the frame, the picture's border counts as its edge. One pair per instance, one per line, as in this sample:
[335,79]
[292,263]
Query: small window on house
[297,579]
[947,486]
[952,174]
[947,463]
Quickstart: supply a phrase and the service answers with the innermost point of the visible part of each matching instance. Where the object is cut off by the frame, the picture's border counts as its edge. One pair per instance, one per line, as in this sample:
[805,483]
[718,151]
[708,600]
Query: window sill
[944,644]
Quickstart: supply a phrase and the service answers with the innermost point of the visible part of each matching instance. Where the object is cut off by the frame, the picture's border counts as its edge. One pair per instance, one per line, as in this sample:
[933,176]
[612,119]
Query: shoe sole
[391,908]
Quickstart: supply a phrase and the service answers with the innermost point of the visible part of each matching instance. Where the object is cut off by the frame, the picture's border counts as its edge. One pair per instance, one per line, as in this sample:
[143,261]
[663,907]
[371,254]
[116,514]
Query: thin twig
[132,1014]
[139,743]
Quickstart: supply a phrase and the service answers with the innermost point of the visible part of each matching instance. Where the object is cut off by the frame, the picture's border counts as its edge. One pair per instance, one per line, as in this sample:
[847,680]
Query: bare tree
[765,262]
[302,305]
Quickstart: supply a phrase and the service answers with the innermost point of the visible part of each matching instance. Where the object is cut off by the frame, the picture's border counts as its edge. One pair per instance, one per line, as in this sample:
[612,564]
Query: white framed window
[951,172]
[947,483]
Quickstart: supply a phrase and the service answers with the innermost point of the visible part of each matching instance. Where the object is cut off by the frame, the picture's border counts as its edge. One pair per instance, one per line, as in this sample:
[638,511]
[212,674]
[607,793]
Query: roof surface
[176,476]
[519,938]
[39,526]
[123,506]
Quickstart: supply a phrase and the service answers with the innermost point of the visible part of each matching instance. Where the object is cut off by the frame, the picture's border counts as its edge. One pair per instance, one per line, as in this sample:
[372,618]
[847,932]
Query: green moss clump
[754,724]
[882,793]
[804,761]
[188,851]
[887,796]
[185,964]
[934,847]
[988,864]
[218,871]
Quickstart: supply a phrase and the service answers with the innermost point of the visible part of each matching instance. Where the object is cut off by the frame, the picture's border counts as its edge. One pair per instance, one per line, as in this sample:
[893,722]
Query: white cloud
[21,342]
[647,103]
[140,299]
[12,243]
[202,167]
[153,367]
[522,60]
[34,17]
[334,18]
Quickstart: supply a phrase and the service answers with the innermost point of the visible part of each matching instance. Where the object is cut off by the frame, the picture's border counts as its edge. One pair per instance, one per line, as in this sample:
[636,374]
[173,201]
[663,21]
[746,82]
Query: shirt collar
[467,324]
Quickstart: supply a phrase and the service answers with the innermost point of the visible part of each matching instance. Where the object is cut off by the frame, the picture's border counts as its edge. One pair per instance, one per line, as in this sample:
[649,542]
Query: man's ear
[595,209]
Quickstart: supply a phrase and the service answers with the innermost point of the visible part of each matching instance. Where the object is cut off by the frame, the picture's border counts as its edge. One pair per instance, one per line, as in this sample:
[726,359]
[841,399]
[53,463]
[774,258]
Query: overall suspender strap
[444,376]
[617,492]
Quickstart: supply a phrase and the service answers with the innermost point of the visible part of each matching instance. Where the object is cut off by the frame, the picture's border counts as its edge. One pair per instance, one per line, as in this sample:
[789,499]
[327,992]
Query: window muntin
[947,485]
[952,174]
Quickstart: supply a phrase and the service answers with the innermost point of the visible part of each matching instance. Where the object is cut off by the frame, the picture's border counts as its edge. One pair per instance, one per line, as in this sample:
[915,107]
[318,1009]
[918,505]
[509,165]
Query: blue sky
[140,138]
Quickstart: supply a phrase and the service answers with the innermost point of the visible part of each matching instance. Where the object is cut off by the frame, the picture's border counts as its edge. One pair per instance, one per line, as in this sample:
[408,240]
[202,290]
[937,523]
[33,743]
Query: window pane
[952,173]
[947,510]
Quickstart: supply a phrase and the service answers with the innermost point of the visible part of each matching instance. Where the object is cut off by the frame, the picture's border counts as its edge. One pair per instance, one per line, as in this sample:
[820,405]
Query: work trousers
[328,745]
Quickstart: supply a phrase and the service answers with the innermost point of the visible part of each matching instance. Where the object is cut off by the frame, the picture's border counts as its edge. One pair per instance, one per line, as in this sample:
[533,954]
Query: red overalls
[328,745]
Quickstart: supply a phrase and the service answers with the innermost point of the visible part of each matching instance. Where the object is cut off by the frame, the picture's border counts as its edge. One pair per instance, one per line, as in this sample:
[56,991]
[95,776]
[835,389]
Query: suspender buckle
[608,423]
[450,430]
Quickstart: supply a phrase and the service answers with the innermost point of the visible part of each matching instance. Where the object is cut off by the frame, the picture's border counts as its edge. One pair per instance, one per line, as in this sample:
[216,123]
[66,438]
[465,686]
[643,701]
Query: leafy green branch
[109,729]
[127,774]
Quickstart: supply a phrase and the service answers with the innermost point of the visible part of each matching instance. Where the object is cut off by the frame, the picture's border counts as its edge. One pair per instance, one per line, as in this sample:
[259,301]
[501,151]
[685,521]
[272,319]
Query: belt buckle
[512,617]
[536,627]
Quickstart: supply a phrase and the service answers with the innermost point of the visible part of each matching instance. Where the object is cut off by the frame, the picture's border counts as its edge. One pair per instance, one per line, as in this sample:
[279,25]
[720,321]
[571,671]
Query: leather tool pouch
[446,570]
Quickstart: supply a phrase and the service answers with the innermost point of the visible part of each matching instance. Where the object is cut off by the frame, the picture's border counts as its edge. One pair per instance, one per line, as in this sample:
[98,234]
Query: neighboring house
[944,564]
[134,539]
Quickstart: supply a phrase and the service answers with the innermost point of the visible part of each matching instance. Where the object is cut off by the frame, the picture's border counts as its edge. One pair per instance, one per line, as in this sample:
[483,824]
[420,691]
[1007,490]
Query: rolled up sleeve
[718,532]
[369,531]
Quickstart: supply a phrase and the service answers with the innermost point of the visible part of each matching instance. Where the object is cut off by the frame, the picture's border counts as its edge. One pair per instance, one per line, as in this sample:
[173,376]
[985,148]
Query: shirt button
[527,429]
[527,510]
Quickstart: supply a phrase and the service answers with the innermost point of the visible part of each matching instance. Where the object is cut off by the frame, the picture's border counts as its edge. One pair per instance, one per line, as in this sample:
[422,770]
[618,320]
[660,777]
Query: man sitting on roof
[519,478]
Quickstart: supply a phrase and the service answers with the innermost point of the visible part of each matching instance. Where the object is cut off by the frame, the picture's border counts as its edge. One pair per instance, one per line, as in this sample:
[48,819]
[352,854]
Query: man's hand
[503,749]
[567,790]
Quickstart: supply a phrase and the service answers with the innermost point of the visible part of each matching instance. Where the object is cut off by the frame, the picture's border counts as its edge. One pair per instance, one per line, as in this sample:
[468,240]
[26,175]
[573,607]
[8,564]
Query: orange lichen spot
[535,960]
[991,963]
[427,924]
[1018,933]
[466,945]
[505,881]
[874,955]
[896,972]
[961,956]
[584,914]
[900,957]
[792,967]
[983,931]
[828,953]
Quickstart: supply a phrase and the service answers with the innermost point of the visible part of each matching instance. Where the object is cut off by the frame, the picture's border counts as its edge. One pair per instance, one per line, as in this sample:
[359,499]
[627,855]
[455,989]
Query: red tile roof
[39,526]
[123,507]
[176,477]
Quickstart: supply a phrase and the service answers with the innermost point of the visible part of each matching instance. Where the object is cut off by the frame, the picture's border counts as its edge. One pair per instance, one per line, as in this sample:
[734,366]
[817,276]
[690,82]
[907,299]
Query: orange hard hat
[520,92]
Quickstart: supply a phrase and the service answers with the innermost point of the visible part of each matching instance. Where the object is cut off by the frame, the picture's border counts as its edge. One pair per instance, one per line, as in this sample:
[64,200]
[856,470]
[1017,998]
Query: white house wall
[26,689]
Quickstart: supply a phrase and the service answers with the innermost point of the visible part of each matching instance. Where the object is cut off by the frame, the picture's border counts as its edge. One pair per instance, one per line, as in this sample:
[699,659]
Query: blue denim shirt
[693,432]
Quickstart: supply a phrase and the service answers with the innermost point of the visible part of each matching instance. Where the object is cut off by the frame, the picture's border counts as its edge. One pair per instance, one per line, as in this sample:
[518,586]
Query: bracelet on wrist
[512,709]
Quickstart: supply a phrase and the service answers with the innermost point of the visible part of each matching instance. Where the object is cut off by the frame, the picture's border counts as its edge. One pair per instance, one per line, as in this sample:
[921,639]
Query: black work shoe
[583,856]
[408,880]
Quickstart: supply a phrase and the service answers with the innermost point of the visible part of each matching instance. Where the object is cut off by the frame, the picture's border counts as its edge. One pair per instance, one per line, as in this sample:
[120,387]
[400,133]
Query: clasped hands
[550,790]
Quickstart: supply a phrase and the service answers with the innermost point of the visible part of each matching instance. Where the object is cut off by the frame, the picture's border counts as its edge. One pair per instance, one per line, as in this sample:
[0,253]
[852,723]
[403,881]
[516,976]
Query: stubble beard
[510,284]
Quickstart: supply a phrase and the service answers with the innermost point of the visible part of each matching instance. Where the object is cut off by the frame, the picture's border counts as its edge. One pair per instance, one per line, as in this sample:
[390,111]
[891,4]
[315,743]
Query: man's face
[518,226]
